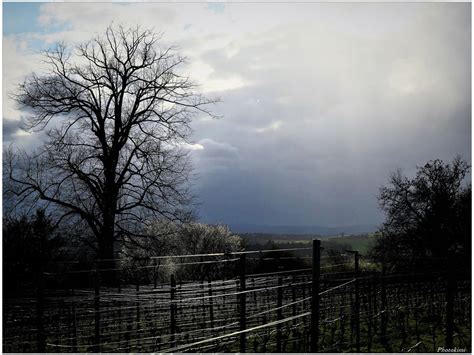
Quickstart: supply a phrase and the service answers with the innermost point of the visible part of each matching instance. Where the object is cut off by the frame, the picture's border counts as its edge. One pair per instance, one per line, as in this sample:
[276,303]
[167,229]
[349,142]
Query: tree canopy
[117,115]
[27,243]
[167,239]
[428,217]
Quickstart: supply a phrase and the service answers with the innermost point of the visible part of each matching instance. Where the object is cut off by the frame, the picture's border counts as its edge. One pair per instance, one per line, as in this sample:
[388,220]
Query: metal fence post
[315,295]
[243,298]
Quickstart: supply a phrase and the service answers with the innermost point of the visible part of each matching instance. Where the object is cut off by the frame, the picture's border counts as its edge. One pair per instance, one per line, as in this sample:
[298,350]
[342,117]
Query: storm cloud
[10,128]
[319,102]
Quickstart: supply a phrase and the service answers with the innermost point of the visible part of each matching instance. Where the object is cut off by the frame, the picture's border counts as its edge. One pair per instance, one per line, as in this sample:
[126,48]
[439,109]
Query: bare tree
[428,217]
[116,113]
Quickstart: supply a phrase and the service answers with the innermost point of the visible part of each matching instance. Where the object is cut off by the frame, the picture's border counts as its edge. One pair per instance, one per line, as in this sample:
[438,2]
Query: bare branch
[116,113]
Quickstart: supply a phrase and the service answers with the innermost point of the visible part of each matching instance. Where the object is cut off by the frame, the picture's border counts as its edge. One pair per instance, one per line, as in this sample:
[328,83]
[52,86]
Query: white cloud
[271,127]
[215,149]
[210,82]
[347,91]
[17,62]
[195,146]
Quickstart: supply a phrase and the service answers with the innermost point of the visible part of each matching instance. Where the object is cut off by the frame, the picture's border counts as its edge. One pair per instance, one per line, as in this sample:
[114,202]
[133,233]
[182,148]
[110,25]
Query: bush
[28,244]
[165,238]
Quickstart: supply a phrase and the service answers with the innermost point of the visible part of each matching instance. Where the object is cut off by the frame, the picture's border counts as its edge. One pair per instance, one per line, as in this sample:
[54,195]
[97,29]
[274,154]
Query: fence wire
[243,309]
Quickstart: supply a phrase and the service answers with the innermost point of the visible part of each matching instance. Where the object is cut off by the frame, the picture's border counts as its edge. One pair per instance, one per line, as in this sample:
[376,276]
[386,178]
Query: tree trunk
[106,239]
[106,256]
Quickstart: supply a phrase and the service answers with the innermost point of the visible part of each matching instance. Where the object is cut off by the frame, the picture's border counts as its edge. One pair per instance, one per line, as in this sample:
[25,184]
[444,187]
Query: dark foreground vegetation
[199,288]
[267,293]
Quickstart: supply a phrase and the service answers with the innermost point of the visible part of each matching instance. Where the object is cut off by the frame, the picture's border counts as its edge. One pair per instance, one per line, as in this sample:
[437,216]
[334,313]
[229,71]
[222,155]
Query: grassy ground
[361,243]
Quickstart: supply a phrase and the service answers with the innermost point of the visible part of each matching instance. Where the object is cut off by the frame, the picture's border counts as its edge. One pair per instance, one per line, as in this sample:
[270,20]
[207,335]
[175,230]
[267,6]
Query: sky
[319,102]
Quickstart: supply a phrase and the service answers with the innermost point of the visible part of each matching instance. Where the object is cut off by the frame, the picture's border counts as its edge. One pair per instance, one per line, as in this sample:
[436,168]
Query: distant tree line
[35,244]
[427,227]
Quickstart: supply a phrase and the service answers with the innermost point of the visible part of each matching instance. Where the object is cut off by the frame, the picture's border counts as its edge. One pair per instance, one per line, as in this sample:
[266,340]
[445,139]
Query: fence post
[315,295]
[211,304]
[97,311]
[173,312]
[119,289]
[303,291]
[293,300]
[357,300]
[203,313]
[383,309]
[369,314]
[374,294]
[40,340]
[127,334]
[138,315]
[450,292]
[74,322]
[243,297]
[279,313]
[155,273]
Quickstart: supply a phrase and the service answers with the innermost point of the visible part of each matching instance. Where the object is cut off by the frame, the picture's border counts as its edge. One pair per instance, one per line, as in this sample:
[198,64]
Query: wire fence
[229,302]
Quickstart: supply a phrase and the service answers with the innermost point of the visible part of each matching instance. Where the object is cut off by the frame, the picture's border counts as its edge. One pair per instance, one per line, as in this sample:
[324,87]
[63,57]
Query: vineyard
[333,302]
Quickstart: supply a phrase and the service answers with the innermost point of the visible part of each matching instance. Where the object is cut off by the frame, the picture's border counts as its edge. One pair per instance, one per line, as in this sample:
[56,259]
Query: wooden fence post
[450,293]
[357,300]
[383,309]
[119,289]
[74,323]
[315,295]
[369,314]
[173,311]
[243,298]
[41,339]
[211,304]
[97,311]
[293,313]
[374,294]
[127,335]
[138,344]
[303,291]
[119,278]
[155,273]
[203,311]
[279,312]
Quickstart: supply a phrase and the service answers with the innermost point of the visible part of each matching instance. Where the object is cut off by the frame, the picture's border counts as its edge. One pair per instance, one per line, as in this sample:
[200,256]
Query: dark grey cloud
[14,135]
[216,151]
[10,127]
[326,116]
[333,98]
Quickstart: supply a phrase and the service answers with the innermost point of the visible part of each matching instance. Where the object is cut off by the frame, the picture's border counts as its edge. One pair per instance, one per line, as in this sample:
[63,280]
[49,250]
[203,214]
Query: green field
[362,243]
